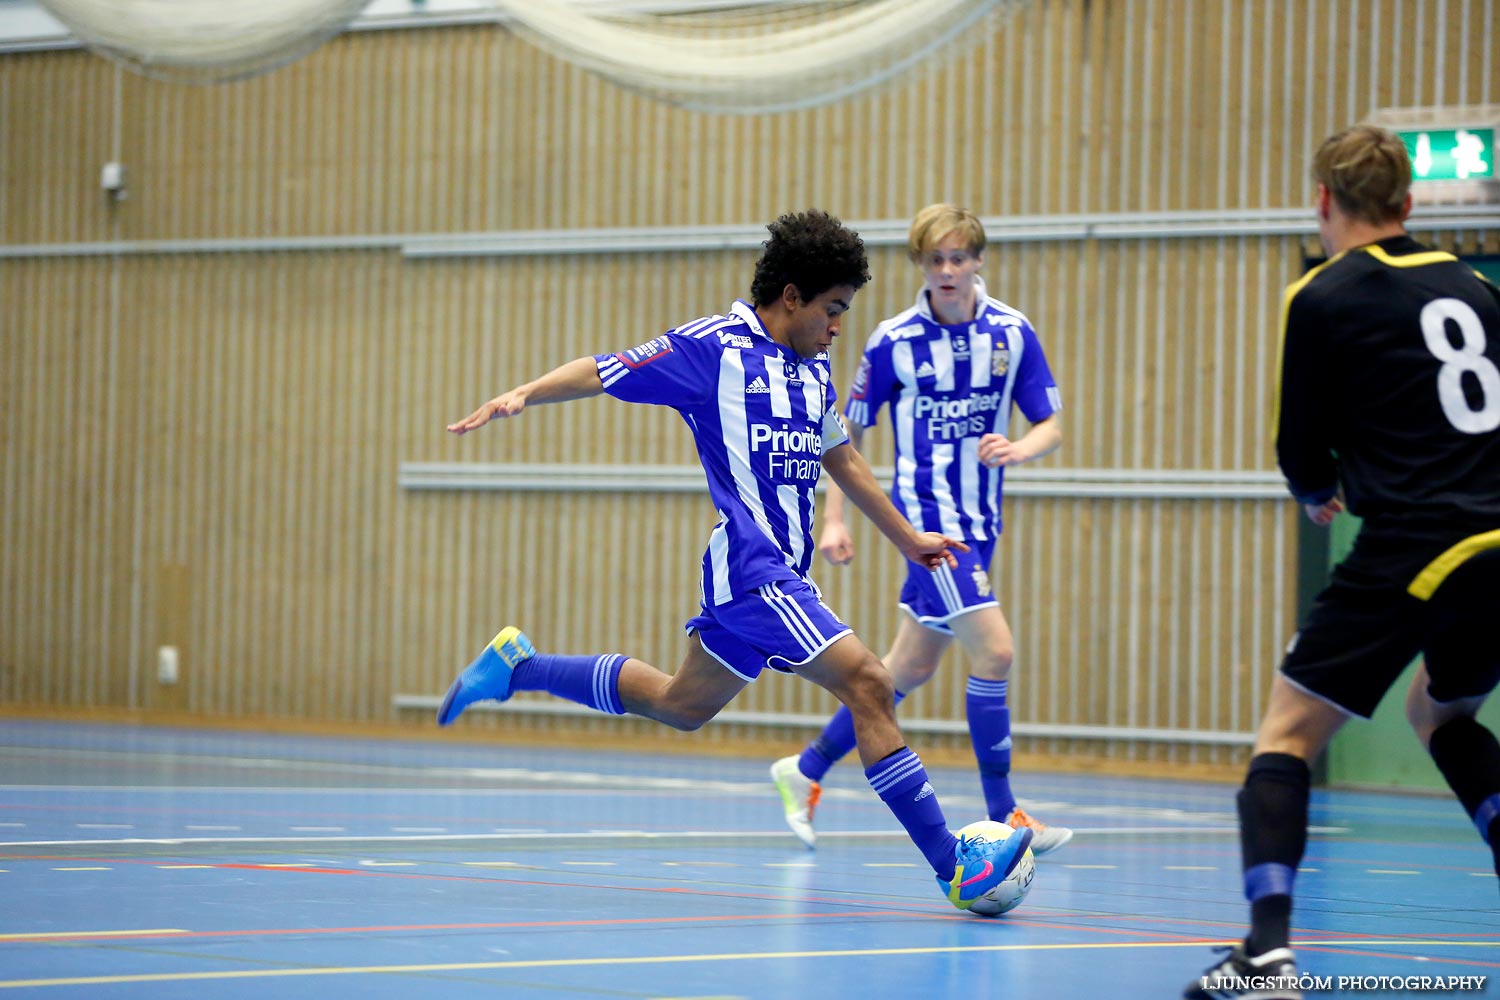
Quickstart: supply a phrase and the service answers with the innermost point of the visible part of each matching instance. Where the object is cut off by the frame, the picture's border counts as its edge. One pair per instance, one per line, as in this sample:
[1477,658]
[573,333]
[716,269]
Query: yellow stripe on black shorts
[1432,576]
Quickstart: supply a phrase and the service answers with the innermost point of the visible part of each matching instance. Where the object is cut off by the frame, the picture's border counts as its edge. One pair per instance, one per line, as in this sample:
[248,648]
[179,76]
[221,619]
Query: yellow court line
[553,963]
[90,934]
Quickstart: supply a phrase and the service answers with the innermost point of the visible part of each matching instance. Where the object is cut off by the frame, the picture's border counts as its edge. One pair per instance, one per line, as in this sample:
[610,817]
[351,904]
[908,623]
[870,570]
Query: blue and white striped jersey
[762,418]
[947,386]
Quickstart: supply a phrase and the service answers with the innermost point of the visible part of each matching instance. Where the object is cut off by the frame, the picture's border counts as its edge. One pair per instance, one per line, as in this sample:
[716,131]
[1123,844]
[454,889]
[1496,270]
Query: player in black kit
[1389,404]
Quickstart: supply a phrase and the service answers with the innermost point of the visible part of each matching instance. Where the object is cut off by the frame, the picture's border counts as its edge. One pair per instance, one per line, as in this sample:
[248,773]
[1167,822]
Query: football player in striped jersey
[753,386]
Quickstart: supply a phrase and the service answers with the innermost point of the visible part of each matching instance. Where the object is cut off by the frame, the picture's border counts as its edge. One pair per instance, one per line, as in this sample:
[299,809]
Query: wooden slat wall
[201,450]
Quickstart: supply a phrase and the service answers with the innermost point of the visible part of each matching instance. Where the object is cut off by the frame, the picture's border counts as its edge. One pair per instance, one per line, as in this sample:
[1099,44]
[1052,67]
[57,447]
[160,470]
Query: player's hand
[836,545]
[930,549]
[505,405]
[1322,514]
[997,449]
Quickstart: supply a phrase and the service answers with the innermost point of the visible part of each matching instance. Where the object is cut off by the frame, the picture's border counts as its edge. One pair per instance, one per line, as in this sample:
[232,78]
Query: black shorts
[1397,595]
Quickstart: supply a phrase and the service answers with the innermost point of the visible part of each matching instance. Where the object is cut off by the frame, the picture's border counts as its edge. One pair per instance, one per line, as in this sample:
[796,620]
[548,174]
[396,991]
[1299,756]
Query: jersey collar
[745,312]
[981,295]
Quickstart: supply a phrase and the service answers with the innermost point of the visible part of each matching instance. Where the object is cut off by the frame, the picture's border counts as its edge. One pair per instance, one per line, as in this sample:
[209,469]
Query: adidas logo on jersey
[927,790]
[759,385]
[925,370]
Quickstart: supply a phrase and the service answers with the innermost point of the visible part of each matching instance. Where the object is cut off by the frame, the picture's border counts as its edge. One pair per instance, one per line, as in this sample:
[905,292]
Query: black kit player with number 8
[1390,403]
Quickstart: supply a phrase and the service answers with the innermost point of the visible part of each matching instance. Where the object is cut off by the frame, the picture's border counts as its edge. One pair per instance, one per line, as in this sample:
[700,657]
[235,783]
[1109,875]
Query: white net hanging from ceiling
[758,57]
[742,58]
[203,41]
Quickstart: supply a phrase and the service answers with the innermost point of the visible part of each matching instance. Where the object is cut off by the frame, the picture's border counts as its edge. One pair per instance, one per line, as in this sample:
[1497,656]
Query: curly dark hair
[812,250]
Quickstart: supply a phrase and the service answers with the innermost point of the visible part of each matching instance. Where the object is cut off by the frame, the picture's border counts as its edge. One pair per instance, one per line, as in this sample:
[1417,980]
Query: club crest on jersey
[792,371]
[1000,361]
[981,582]
[650,351]
[960,347]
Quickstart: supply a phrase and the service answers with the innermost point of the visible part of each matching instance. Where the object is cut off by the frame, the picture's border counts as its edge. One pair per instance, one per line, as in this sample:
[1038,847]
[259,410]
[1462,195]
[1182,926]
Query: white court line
[779,833]
[626,961]
[569,782]
[89,934]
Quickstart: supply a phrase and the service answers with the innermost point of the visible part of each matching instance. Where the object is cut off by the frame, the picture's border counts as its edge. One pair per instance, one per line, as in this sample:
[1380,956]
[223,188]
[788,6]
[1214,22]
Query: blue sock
[832,744]
[989,729]
[901,782]
[589,680]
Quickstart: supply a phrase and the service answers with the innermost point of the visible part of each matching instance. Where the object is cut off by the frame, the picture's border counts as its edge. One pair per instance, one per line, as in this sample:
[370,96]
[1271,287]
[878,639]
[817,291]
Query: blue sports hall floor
[149,862]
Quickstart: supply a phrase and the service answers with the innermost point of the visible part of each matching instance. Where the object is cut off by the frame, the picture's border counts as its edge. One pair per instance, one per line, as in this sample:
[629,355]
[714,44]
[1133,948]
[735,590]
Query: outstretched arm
[852,473]
[578,379]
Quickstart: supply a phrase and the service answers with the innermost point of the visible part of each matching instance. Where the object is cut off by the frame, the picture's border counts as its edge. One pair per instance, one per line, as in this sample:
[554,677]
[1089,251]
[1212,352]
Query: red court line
[854,902]
[1447,959]
[1191,922]
[409,928]
[917,911]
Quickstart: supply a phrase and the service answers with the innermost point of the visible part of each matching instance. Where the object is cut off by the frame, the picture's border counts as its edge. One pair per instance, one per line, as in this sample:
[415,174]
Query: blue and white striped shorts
[934,597]
[780,625]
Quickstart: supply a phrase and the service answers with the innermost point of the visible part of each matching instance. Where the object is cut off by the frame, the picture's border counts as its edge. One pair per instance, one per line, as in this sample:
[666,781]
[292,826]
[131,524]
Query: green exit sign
[1452,154]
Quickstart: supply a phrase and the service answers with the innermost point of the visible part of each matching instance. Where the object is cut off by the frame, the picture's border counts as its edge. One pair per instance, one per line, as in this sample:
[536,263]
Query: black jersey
[1390,385]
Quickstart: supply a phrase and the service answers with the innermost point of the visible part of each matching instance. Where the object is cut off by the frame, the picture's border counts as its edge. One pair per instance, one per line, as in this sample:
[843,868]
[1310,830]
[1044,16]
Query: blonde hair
[1367,171]
[935,223]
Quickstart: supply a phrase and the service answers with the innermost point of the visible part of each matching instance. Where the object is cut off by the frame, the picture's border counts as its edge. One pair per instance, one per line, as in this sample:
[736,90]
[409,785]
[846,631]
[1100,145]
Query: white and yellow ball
[1008,894]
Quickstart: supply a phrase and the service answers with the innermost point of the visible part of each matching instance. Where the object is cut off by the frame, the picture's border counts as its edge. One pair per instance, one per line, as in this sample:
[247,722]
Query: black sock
[1273,836]
[1270,924]
[1469,757]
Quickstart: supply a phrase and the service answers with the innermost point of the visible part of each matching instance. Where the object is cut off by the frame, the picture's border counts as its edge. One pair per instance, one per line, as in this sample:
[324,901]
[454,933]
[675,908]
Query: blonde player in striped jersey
[951,368]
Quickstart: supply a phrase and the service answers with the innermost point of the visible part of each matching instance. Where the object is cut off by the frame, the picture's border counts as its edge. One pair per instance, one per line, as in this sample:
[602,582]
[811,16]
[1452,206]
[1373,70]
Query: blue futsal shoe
[980,865]
[489,675]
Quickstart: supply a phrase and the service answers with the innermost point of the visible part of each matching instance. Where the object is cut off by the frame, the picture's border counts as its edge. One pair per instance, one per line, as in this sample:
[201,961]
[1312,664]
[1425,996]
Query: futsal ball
[1008,894]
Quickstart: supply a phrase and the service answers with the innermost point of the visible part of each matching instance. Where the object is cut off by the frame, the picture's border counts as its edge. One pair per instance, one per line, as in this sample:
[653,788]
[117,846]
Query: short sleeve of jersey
[834,431]
[874,384]
[670,370]
[1035,390]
